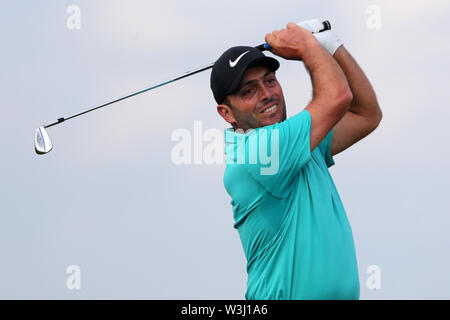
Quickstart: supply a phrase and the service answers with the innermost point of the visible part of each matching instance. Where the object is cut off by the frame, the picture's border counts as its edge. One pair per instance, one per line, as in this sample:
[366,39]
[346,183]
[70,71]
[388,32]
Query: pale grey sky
[108,197]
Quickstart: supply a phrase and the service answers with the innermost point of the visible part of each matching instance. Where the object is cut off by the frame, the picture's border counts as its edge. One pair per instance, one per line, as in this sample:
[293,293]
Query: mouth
[270,109]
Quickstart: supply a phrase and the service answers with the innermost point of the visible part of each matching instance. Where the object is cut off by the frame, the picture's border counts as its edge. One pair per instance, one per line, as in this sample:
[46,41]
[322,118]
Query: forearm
[328,79]
[364,98]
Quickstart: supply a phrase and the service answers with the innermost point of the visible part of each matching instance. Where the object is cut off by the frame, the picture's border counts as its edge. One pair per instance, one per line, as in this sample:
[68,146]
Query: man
[291,222]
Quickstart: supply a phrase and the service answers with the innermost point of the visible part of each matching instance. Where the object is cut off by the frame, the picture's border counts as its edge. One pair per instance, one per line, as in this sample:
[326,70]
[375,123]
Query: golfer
[292,224]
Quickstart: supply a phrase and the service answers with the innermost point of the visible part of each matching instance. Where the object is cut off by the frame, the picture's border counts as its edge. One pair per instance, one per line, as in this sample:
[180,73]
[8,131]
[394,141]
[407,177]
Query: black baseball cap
[228,70]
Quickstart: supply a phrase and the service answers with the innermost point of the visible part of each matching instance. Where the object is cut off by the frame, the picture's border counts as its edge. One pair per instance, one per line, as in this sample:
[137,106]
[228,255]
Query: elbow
[377,114]
[378,117]
[375,117]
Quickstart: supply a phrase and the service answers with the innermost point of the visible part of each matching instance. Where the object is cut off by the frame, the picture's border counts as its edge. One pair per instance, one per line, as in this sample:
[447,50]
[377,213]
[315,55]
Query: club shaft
[187,74]
[262,47]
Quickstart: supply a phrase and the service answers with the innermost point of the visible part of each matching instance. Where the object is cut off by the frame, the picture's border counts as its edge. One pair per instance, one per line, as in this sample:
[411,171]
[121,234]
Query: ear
[226,113]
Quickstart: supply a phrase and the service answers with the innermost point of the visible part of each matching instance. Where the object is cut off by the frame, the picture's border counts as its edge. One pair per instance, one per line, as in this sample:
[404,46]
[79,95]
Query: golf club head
[42,142]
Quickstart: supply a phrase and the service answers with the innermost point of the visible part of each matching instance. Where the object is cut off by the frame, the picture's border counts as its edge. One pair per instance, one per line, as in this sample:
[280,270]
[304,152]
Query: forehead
[254,73]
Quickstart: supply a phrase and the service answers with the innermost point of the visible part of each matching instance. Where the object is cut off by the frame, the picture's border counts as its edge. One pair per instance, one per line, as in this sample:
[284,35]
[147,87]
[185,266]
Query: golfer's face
[259,101]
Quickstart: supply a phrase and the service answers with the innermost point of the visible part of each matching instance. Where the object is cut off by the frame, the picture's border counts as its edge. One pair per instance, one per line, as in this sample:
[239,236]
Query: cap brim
[269,62]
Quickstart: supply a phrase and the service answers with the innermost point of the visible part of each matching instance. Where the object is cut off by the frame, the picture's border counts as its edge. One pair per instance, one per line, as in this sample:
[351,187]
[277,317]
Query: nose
[265,93]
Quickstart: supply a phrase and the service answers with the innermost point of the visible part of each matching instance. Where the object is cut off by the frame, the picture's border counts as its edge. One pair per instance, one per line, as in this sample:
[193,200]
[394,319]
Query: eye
[248,92]
[271,81]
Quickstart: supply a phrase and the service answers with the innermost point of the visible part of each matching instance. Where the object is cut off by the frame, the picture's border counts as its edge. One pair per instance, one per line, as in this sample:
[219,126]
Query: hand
[291,43]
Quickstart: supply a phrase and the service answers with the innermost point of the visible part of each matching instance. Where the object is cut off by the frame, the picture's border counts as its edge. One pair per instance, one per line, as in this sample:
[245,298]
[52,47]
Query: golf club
[42,142]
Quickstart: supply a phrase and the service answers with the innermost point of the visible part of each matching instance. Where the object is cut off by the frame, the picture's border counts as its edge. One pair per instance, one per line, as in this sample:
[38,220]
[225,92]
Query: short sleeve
[325,149]
[288,144]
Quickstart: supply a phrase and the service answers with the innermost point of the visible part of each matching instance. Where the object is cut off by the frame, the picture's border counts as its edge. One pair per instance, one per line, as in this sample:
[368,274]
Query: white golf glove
[327,39]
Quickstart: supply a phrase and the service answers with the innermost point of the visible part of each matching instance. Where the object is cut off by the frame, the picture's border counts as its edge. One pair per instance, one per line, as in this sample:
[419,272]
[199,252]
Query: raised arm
[364,114]
[331,93]
[364,99]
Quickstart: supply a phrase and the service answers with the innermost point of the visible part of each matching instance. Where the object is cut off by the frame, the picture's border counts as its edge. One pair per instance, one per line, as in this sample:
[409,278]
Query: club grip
[326,25]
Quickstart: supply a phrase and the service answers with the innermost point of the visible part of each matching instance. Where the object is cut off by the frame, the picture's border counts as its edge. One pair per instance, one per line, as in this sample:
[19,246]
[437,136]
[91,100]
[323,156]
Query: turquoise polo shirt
[289,216]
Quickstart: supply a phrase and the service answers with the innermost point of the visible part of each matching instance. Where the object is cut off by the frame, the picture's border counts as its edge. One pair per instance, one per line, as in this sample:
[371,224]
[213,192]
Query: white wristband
[329,41]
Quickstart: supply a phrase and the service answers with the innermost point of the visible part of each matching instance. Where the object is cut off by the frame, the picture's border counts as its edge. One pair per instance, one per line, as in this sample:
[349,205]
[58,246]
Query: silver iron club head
[42,142]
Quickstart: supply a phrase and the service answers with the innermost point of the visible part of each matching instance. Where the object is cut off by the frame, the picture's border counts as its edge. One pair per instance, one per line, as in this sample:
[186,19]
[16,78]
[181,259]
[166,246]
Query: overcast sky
[110,200]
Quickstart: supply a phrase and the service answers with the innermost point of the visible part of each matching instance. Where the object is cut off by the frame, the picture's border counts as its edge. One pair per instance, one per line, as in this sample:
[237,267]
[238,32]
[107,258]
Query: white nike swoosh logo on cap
[235,62]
